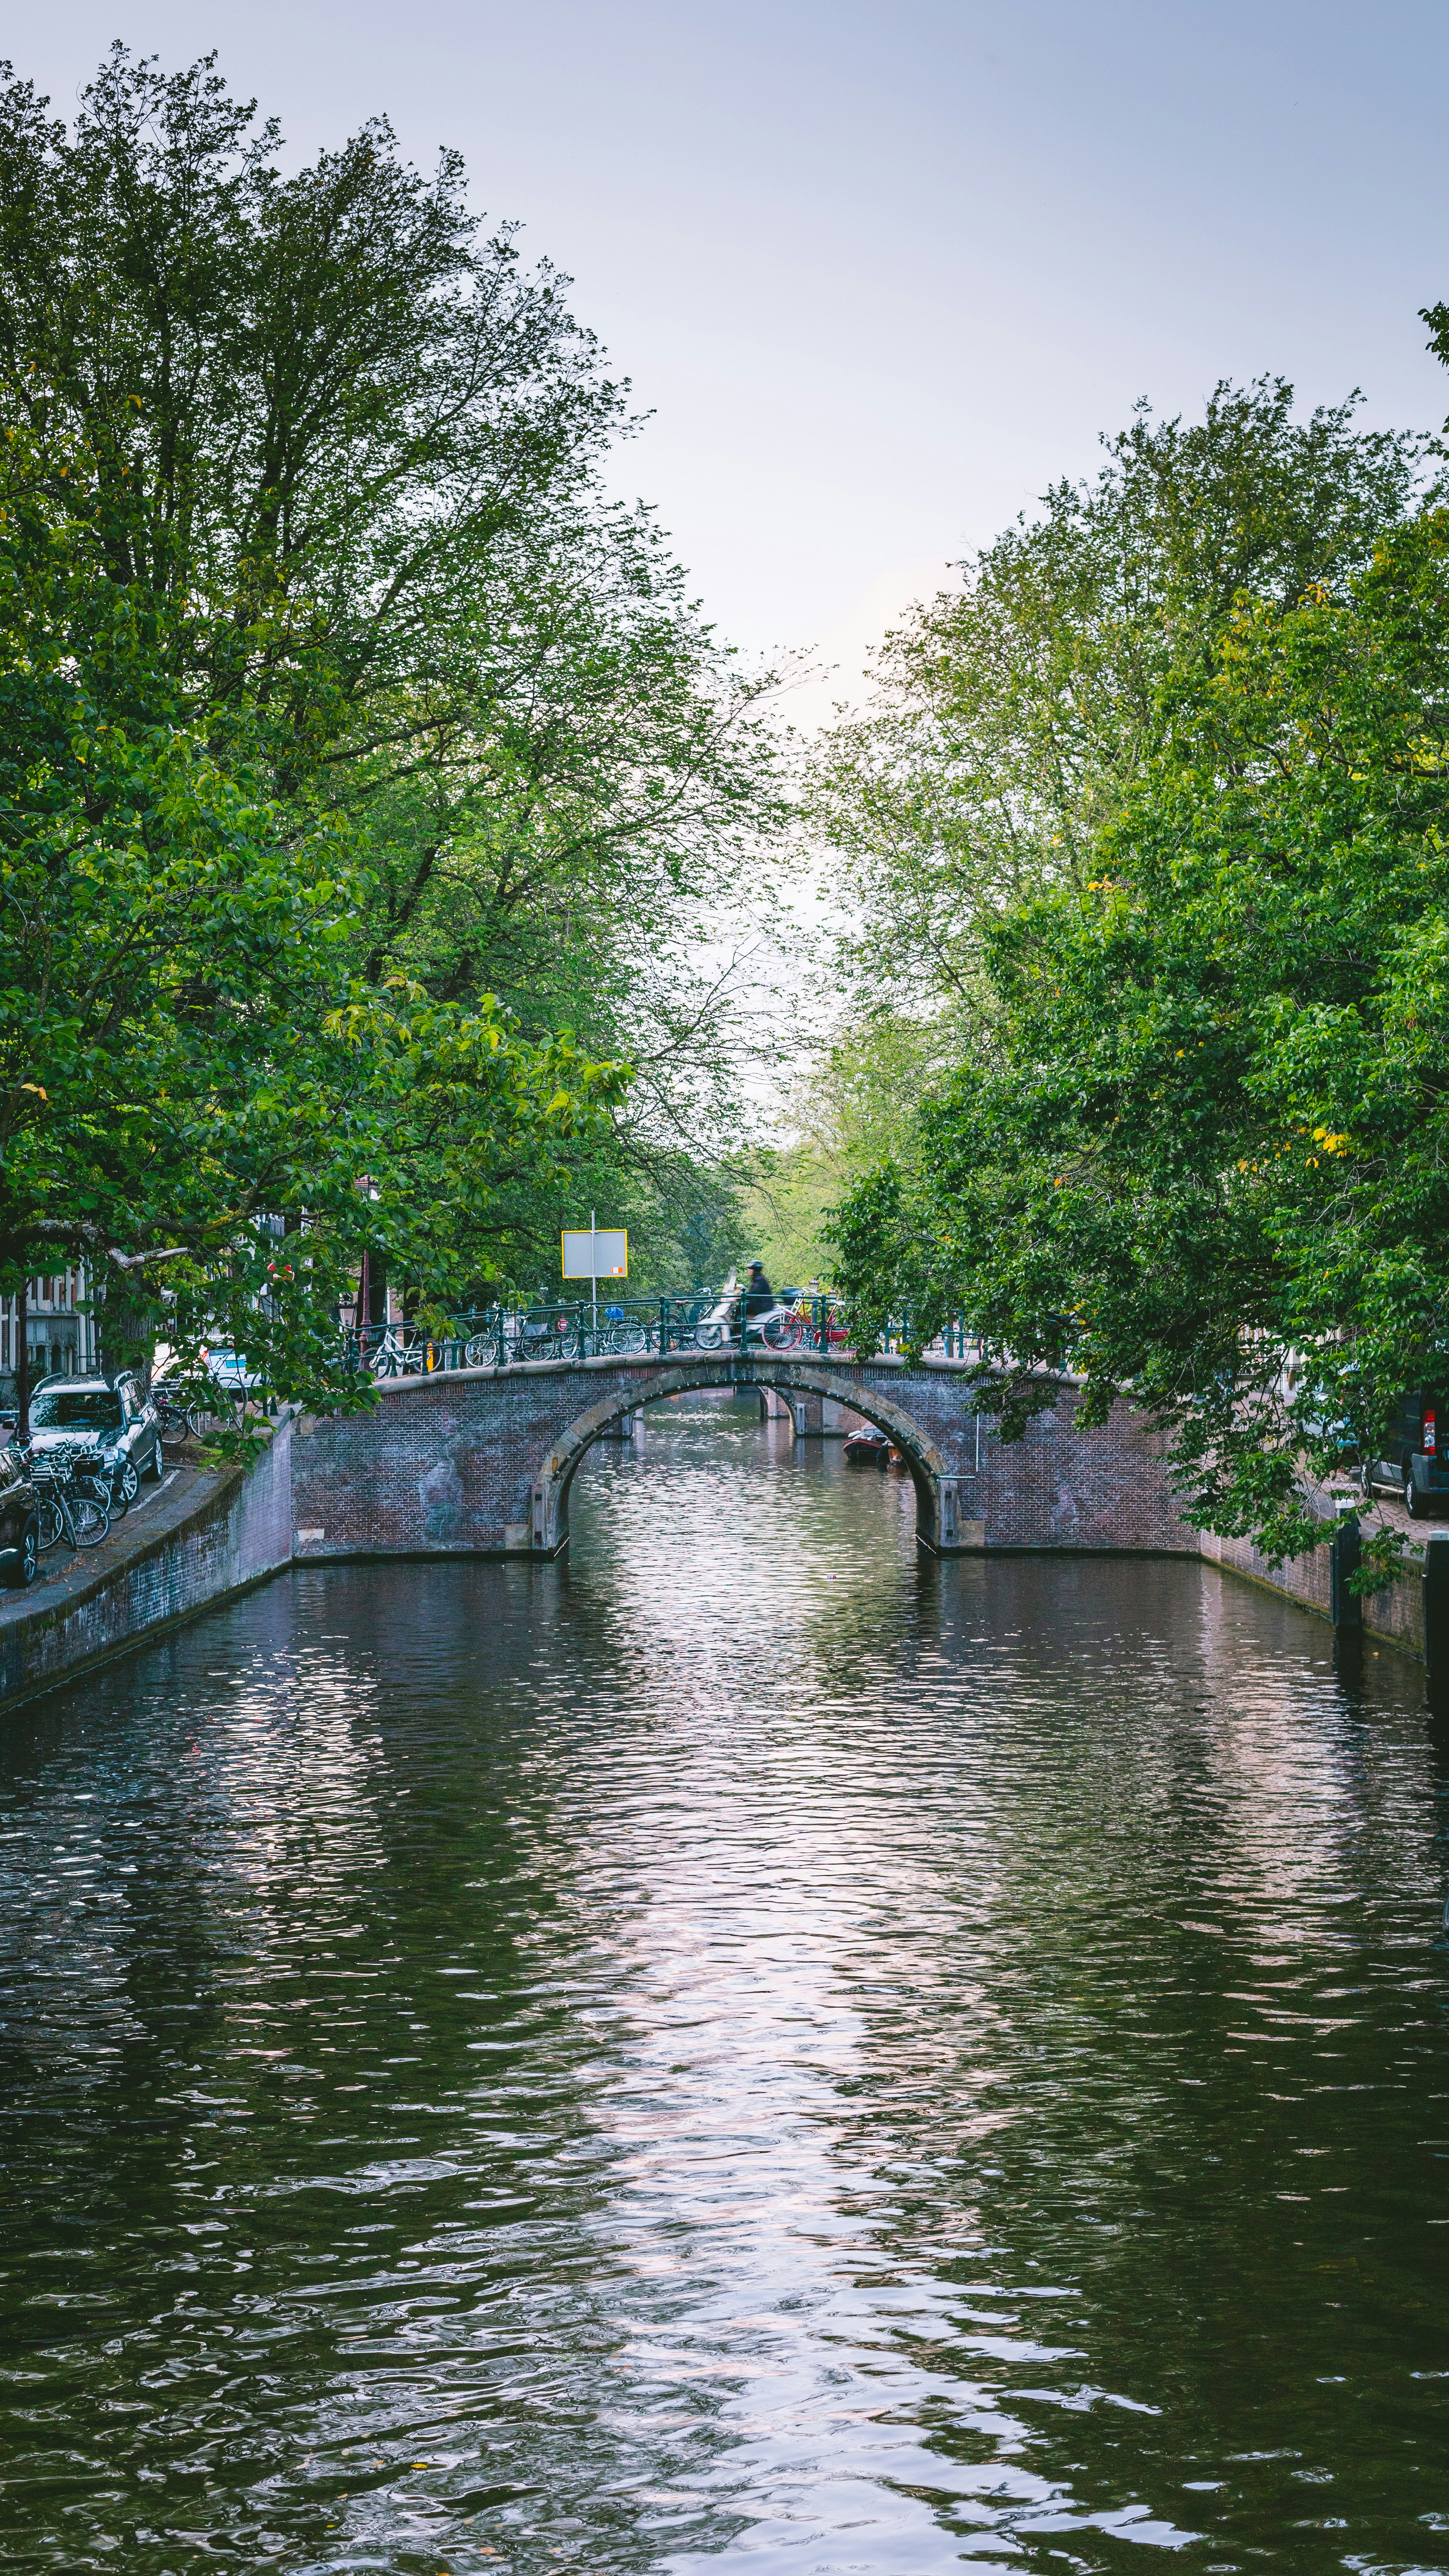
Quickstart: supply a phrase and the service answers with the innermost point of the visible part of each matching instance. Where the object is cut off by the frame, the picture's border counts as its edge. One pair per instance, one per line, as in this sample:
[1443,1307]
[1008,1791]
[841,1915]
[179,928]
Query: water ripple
[749,2047]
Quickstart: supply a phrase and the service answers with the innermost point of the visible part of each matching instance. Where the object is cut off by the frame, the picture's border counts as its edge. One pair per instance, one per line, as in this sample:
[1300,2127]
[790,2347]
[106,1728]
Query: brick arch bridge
[479,1462]
[807,1387]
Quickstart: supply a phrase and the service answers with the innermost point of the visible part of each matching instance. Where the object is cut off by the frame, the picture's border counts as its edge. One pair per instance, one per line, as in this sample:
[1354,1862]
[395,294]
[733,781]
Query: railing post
[1345,1605]
[1436,1614]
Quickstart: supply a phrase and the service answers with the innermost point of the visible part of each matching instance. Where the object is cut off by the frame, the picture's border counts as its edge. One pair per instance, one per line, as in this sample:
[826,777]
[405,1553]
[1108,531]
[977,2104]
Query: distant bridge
[479,1462]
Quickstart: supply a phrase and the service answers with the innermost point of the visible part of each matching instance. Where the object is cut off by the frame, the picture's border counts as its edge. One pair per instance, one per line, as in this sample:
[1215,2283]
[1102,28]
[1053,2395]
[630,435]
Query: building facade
[62,1340]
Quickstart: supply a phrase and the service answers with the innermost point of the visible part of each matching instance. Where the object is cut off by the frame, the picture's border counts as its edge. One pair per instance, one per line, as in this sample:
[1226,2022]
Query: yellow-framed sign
[596,1252]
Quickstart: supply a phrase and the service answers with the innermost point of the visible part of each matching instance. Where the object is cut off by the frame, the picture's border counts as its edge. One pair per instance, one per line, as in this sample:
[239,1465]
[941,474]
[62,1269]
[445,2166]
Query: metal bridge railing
[701,1319]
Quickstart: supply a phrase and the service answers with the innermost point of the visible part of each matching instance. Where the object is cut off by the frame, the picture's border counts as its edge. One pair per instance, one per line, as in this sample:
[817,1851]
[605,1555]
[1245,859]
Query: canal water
[751,2050]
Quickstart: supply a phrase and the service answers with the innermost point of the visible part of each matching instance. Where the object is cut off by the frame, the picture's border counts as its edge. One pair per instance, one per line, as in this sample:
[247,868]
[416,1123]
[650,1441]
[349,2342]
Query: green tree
[1208,1165]
[1011,720]
[585,843]
[309,404]
[333,457]
[351,449]
[186,1058]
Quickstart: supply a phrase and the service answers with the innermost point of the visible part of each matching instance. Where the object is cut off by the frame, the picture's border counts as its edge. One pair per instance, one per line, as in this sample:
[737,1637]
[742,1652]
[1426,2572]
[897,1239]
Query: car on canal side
[115,1417]
[1415,1459]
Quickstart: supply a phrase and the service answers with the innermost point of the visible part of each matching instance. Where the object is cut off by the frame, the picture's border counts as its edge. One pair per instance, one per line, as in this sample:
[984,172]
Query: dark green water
[747,2051]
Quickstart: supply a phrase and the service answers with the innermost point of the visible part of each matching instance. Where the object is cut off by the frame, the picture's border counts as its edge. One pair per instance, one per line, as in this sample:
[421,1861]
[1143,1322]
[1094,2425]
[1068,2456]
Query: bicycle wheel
[479,1352]
[708,1337]
[90,1521]
[50,1521]
[782,1332]
[627,1339]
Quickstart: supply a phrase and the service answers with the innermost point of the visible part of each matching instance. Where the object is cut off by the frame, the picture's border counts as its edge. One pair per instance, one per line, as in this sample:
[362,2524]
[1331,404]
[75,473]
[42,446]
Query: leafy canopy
[394,757]
[1203,1159]
[1009,720]
[185,1058]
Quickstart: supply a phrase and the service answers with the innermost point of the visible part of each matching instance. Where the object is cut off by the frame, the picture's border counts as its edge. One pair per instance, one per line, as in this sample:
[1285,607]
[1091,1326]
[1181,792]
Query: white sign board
[596,1254]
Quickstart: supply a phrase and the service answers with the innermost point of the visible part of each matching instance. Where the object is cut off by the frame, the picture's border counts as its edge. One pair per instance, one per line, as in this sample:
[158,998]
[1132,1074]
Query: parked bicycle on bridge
[565,1332]
[395,1350]
[697,1319]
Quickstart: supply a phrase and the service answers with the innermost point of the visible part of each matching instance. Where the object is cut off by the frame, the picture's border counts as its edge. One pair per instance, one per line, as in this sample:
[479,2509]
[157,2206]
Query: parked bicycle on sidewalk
[71,1502]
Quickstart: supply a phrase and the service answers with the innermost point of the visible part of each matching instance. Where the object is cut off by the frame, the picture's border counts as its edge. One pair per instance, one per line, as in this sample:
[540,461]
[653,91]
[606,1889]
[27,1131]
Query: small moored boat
[868,1447]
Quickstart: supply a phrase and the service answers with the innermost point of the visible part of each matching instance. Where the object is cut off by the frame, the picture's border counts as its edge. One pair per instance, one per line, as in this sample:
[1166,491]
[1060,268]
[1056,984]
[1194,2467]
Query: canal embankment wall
[1392,1616]
[204,1537]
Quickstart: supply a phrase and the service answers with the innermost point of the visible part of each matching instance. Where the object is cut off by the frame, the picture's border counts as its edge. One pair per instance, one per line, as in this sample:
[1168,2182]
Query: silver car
[117,1418]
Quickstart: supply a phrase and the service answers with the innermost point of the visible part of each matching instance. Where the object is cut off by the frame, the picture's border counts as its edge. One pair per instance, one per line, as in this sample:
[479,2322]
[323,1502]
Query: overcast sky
[882,272]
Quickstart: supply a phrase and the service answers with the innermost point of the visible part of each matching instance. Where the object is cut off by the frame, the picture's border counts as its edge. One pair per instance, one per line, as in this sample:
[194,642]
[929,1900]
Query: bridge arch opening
[935,1484]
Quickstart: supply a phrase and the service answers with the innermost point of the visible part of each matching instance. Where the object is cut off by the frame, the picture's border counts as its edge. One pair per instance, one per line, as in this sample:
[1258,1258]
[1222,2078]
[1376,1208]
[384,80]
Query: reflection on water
[751,2046]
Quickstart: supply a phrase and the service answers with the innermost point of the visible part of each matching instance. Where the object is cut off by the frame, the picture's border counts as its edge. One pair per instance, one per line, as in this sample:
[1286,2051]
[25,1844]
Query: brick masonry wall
[228,1531]
[1394,1615]
[444,1465]
[1064,1488]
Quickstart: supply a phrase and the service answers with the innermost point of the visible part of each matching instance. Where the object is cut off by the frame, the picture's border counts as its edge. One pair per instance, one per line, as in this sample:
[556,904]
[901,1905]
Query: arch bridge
[479,1462]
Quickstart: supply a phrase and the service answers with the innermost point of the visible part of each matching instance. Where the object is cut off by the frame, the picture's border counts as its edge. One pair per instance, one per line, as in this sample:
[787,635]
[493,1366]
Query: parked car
[117,1418]
[1415,1463]
[19,1522]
